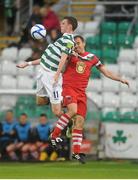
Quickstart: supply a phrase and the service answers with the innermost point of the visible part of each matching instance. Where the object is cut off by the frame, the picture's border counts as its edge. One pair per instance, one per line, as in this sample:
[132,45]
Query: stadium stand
[115,47]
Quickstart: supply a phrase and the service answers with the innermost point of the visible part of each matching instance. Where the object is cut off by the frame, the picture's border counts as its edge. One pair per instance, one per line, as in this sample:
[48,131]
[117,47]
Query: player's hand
[22,65]
[124,81]
[56,76]
[75,54]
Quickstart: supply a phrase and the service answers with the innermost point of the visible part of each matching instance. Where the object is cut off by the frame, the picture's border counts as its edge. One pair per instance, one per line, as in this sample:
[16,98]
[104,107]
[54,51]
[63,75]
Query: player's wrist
[29,63]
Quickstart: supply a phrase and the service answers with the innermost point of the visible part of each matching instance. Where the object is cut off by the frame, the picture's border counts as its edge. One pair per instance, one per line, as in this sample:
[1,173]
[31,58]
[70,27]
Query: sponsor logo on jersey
[80,67]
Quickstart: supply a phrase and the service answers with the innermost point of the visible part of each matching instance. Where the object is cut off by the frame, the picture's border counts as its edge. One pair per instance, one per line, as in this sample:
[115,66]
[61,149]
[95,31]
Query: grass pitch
[70,170]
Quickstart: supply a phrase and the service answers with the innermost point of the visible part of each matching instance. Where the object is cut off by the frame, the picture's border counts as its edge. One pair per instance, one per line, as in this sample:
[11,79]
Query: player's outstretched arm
[60,66]
[25,64]
[111,75]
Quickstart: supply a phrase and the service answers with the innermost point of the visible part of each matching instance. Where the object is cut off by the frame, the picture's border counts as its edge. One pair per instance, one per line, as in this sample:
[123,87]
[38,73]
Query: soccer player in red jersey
[75,81]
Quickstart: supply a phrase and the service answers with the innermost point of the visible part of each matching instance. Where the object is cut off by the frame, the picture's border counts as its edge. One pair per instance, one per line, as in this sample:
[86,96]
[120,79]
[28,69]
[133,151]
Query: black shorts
[4,144]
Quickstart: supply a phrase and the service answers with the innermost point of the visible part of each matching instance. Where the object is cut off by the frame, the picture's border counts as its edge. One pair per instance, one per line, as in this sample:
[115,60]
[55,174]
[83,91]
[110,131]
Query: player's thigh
[54,91]
[25,147]
[43,146]
[19,145]
[70,100]
[11,147]
[33,147]
[82,106]
[72,109]
[40,90]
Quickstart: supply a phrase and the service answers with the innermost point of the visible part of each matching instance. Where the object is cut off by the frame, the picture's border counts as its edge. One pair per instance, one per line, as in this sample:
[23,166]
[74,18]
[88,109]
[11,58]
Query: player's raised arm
[60,66]
[25,64]
[111,75]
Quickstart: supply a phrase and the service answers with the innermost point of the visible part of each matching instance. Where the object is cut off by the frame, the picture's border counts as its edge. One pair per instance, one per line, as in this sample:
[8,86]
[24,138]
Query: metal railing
[133,15]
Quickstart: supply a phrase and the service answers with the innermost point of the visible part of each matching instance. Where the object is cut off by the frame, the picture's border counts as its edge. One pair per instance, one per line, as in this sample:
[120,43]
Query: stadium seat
[10,54]
[125,41]
[109,56]
[24,53]
[126,109]
[136,29]
[28,71]
[133,86]
[112,116]
[7,101]
[95,73]
[127,55]
[99,10]
[8,67]
[80,28]
[95,85]
[113,67]
[110,99]
[135,44]
[108,109]
[97,52]
[136,59]
[123,27]
[24,82]
[95,97]
[109,28]
[93,42]
[128,117]
[108,41]
[8,82]
[127,69]
[128,100]
[91,27]
[109,85]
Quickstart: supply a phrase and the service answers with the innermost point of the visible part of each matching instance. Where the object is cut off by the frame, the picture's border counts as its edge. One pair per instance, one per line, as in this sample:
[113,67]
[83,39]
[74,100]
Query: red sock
[61,124]
[77,140]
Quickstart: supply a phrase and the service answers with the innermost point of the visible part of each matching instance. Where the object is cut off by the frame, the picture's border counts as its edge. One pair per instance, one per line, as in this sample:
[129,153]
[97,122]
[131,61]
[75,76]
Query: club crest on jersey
[80,67]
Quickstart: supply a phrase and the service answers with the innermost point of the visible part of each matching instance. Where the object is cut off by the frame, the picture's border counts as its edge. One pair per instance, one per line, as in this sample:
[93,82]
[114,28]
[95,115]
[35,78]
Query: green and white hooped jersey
[51,57]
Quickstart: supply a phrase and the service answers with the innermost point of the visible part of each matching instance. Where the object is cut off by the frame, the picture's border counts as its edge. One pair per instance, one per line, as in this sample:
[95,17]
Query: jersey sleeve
[67,46]
[97,62]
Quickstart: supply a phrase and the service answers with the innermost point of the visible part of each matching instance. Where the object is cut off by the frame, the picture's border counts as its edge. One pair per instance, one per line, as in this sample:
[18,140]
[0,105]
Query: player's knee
[32,148]
[57,112]
[72,112]
[9,148]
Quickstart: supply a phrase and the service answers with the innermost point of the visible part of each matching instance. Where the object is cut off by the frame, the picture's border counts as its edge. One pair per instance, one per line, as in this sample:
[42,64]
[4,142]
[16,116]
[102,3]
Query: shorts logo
[80,67]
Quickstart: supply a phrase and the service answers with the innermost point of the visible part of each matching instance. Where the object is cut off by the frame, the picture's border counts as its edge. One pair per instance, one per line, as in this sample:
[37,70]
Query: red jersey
[78,70]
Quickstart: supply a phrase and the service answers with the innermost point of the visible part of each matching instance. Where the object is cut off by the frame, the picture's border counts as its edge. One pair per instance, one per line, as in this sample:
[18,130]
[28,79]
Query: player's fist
[124,81]
[22,65]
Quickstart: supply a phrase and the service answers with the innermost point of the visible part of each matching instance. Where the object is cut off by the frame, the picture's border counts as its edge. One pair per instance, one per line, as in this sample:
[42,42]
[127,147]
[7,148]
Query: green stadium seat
[136,30]
[93,42]
[109,56]
[128,117]
[125,41]
[123,27]
[108,28]
[113,116]
[97,52]
[95,73]
[108,41]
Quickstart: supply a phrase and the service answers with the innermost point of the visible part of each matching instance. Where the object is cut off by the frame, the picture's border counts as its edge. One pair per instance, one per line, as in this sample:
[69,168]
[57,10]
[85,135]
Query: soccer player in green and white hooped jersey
[49,80]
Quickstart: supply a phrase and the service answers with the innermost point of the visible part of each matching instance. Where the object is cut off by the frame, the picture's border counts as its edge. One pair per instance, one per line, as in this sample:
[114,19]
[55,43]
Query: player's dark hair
[43,115]
[78,36]
[10,110]
[24,114]
[73,21]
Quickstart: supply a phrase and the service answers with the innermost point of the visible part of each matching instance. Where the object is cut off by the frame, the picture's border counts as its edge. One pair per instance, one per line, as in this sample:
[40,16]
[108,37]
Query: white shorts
[45,86]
